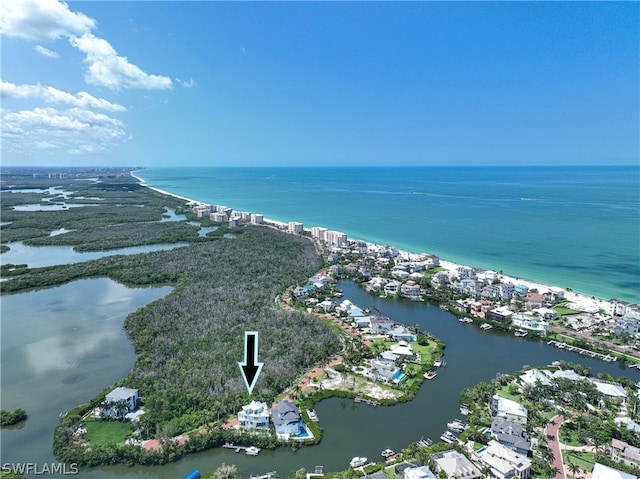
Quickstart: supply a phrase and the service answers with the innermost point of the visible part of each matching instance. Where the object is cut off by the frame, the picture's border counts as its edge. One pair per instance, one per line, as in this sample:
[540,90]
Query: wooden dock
[584,352]
[370,402]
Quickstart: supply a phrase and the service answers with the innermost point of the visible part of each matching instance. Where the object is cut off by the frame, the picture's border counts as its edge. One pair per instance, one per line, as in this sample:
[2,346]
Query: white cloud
[190,83]
[75,130]
[45,52]
[108,69]
[42,20]
[52,95]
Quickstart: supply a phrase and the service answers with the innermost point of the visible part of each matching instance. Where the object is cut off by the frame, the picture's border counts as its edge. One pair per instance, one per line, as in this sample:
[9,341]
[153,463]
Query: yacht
[387,453]
[358,461]
[252,451]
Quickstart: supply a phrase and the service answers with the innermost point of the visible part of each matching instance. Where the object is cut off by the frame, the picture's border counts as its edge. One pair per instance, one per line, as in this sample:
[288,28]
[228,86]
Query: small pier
[250,450]
[268,475]
[370,402]
[585,352]
[425,442]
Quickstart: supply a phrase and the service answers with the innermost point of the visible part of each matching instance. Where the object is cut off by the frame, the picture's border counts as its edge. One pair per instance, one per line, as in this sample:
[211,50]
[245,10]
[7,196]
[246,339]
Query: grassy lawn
[584,460]
[504,392]
[106,432]
[569,437]
[565,311]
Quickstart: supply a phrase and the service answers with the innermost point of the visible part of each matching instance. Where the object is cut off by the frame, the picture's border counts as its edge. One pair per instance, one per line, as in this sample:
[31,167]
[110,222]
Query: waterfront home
[624,453]
[487,277]
[403,350]
[508,409]
[254,415]
[286,419]
[627,325]
[504,462]
[532,378]
[601,471]
[384,371]
[401,333]
[410,290]
[120,401]
[392,287]
[617,307]
[381,325]
[521,290]
[510,434]
[421,472]
[456,465]
[376,284]
[501,314]
[523,321]
[319,281]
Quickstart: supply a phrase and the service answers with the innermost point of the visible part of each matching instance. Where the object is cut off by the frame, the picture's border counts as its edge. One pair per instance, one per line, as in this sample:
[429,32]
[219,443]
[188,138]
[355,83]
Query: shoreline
[582,301]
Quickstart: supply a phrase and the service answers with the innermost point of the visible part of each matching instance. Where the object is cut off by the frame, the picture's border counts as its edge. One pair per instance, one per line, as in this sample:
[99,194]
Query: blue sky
[319,83]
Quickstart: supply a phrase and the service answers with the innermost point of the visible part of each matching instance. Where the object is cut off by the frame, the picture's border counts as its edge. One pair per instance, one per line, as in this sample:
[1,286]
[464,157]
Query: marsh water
[62,346]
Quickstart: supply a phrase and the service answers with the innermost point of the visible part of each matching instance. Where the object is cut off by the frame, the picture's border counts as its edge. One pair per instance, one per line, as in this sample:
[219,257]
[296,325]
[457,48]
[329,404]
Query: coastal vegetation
[10,418]
[188,343]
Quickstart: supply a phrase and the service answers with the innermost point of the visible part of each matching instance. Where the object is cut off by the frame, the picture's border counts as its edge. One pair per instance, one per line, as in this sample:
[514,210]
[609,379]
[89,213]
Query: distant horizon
[141,167]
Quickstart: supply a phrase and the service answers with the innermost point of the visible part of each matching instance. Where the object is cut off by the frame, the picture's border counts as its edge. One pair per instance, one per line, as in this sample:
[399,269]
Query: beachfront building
[508,409]
[456,465]
[254,415]
[295,228]
[257,219]
[219,217]
[286,420]
[504,462]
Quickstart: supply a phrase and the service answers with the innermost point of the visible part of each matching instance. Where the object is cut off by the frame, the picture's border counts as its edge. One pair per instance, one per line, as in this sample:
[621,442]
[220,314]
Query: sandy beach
[578,301]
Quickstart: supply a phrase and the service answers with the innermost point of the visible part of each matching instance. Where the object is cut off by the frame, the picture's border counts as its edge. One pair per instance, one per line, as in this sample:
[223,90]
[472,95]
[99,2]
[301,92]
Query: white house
[533,377]
[601,471]
[508,409]
[504,462]
[254,415]
[422,472]
[456,465]
[126,397]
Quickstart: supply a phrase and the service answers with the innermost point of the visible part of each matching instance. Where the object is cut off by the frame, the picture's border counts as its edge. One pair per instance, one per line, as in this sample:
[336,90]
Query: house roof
[601,471]
[533,377]
[456,464]
[121,394]
[285,412]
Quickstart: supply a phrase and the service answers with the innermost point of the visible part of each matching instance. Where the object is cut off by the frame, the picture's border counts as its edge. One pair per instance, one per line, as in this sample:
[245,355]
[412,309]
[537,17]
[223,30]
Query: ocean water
[572,227]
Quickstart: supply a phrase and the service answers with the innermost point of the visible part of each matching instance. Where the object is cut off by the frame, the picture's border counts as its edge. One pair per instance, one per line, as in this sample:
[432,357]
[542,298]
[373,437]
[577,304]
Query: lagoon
[83,358]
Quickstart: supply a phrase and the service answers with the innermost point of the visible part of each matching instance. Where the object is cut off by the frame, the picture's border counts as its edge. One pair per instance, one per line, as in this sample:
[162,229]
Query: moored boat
[387,453]
[358,461]
[252,451]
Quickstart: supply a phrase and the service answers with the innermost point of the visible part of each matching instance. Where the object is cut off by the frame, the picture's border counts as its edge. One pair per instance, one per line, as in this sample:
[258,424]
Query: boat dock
[370,402]
[268,475]
[585,352]
[250,450]
[425,442]
[430,374]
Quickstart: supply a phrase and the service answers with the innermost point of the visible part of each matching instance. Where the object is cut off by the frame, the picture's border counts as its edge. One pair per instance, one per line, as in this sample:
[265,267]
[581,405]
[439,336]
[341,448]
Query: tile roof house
[504,462]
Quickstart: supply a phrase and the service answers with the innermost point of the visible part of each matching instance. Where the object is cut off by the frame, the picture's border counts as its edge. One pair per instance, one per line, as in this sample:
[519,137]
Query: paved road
[554,444]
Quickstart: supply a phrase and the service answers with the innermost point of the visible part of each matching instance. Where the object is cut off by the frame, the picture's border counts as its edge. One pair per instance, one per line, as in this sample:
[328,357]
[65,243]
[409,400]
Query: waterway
[49,380]
[61,347]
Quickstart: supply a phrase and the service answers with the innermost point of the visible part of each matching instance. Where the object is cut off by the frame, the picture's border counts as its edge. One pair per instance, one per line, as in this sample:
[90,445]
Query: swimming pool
[399,376]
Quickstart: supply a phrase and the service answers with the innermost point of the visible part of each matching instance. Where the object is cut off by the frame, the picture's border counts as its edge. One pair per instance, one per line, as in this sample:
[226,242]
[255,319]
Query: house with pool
[288,423]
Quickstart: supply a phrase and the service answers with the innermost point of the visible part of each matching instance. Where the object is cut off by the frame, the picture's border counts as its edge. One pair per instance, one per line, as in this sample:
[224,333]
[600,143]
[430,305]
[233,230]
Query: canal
[471,355]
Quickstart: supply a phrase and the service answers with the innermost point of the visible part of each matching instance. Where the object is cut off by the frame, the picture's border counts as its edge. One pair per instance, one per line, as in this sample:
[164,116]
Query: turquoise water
[572,227]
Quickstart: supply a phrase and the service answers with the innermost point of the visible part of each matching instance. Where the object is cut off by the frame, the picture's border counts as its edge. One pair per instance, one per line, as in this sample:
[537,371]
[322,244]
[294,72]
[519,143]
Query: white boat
[456,426]
[520,333]
[437,363]
[387,453]
[486,326]
[358,461]
[252,451]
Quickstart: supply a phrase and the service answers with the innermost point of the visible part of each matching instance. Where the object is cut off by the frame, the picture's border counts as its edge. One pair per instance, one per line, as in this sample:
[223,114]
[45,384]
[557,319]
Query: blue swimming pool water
[399,376]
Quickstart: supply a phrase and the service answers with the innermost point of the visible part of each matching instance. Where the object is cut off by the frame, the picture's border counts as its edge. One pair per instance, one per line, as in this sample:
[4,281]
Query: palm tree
[573,467]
